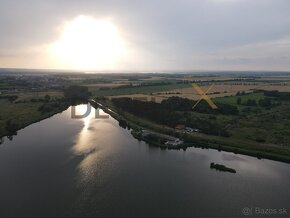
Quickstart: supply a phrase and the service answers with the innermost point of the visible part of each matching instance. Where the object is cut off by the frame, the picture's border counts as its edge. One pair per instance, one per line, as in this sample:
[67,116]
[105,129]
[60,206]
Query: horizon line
[138,71]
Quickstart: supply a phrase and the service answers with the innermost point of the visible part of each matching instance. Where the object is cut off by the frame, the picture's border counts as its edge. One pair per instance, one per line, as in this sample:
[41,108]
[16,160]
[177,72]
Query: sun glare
[87,43]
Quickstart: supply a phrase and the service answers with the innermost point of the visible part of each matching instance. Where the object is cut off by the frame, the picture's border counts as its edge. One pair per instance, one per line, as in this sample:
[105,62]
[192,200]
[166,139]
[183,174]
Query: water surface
[63,167]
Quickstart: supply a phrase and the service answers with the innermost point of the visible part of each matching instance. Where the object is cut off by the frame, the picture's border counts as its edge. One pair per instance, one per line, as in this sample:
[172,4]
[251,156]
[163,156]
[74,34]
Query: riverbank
[137,129]
[200,140]
[16,116]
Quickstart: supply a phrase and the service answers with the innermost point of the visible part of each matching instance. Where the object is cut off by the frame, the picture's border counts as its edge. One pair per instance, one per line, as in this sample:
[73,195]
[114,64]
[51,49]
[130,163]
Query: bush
[75,93]
[11,127]
[261,140]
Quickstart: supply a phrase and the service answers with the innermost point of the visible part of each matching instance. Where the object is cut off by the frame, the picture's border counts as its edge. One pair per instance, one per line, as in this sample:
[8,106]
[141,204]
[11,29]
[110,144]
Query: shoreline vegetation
[31,121]
[252,118]
[17,114]
[31,113]
[138,125]
[142,129]
[220,167]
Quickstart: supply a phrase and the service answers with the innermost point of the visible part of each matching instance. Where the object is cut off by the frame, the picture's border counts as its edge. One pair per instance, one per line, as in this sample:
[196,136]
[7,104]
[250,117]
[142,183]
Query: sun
[88,44]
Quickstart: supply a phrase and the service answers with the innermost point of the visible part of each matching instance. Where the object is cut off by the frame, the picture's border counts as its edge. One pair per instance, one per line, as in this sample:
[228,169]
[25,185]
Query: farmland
[250,118]
[255,128]
[180,85]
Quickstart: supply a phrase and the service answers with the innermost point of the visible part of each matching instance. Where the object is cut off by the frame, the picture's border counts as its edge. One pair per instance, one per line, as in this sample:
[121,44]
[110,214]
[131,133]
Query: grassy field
[42,94]
[254,124]
[142,97]
[256,130]
[232,144]
[136,90]
[267,125]
[20,115]
[220,90]
[232,100]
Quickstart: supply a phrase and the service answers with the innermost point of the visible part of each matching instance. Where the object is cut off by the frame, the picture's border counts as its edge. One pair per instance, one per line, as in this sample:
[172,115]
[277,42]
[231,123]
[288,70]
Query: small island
[220,167]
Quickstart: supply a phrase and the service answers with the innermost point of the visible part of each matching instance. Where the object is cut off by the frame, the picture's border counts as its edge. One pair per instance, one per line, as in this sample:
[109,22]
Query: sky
[151,35]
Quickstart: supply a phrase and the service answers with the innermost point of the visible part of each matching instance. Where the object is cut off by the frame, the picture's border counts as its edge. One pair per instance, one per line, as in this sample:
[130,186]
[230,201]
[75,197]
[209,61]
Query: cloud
[164,34]
[225,1]
[271,55]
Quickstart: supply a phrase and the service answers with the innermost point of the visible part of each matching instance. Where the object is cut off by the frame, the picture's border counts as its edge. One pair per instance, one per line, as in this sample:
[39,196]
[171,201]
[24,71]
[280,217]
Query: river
[64,167]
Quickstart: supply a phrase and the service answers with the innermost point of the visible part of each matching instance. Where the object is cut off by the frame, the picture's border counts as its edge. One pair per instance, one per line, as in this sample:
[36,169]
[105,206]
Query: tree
[12,98]
[251,102]
[47,98]
[11,127]
[75,93]
[266,102]
[239,101]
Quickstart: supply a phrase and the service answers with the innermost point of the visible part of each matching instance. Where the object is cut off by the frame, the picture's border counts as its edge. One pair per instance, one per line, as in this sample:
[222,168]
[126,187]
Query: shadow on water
[9,137]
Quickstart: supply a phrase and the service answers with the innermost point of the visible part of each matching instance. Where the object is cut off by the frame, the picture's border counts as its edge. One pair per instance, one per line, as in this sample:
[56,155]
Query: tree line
[172,112]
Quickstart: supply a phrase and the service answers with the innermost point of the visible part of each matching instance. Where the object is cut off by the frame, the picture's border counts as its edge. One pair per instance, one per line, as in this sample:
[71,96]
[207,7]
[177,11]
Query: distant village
[14,84]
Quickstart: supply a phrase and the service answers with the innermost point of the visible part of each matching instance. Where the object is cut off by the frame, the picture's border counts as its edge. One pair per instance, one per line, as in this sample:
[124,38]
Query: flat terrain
[226,89]
[217,91]
[262,135]
[249,120]
[28,108]
[180,86]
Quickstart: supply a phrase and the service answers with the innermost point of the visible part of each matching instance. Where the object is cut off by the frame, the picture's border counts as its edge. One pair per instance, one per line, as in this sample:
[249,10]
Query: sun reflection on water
[92,142]
[84,139]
